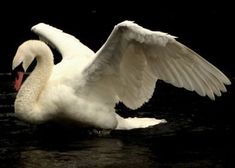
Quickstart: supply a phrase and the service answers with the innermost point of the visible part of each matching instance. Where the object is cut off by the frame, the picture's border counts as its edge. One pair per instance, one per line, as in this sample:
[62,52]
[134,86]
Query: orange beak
[18,80]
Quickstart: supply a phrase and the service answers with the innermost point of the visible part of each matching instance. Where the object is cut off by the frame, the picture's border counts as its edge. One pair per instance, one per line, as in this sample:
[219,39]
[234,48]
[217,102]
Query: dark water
[198,134]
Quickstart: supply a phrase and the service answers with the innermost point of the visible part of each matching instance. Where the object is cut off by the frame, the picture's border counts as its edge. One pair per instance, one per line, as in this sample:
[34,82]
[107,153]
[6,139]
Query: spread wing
[134,58]
[66,44]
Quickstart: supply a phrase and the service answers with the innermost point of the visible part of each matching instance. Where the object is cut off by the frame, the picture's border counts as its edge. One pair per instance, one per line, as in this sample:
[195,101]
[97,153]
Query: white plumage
[85,86]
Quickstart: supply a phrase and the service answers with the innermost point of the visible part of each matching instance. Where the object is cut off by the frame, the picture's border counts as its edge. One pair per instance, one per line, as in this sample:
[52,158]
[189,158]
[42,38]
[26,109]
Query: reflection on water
[90,153]
[28,146]
[52,148]
[192,138]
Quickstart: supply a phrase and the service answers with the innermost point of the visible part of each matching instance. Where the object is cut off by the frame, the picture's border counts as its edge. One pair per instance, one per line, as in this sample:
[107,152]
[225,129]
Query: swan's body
[85,86]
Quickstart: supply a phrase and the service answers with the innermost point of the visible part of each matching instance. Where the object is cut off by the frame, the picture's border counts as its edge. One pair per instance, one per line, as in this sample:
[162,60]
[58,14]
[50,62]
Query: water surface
[192,137]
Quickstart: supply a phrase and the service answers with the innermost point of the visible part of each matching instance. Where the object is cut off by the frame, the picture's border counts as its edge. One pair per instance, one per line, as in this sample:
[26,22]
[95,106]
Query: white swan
[85,86]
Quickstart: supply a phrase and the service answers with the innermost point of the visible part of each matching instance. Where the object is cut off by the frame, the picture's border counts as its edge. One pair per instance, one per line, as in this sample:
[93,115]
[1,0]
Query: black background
[207,28]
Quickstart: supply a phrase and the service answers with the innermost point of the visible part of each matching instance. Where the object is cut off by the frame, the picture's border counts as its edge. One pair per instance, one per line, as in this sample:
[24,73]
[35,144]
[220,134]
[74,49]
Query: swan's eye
[19,68]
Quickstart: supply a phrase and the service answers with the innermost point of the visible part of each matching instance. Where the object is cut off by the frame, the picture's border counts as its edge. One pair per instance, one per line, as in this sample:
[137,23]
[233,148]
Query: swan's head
[24,55]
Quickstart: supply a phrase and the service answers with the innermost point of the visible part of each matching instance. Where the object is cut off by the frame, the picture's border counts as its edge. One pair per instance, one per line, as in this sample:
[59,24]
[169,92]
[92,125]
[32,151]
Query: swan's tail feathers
[133,123]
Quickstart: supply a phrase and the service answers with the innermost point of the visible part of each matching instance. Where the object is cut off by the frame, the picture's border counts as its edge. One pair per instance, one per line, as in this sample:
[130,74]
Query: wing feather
[140,57]
[66,44]
[182,72]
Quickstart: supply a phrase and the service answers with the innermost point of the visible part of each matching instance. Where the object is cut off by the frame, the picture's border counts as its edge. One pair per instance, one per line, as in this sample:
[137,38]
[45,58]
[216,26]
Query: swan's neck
[26,103]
